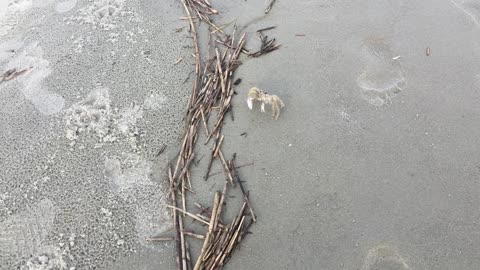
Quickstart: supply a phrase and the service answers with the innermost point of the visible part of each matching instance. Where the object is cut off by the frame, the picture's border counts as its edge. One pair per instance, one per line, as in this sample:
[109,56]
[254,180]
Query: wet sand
[373,163]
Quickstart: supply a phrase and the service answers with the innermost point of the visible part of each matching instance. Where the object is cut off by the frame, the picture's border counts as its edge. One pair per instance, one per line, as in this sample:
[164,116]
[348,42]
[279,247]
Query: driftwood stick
[204,122]
[189,214]
[194,235]
[160,239]
[245,195]
[225,165]
[212,157]
[189,259]
[220,206]
[175,221]
[186,166]
[215,153]
[197,51]
[180,154]
[216,202]
[182,242]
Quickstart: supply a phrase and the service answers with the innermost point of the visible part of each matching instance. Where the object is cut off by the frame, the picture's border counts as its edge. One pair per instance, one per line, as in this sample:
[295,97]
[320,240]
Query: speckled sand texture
[373,163]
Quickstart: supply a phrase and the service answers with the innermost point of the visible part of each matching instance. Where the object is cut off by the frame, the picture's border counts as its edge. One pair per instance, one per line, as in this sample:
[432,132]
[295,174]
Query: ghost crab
[262,96]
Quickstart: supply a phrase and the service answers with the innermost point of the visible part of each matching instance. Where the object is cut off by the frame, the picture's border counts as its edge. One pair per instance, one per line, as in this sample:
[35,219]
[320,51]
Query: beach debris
[238,167]
[262,96]
[269,6]
[212,92]
[221,241]
[160,239]
[266,28]
[161,150]
[188,77]
[12,74]
[7,74]
[299,35]
[266,45]
[427,51]
[211,99]
[178,60]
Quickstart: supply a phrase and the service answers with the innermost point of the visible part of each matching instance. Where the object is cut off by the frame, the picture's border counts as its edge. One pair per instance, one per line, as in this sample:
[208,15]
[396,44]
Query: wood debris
[12,74]
[210,101]
[269,6]
[266,45]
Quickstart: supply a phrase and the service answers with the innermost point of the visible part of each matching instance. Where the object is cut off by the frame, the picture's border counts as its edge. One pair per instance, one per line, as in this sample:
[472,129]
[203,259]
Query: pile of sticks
[211,98]
[214,93]
[220,242]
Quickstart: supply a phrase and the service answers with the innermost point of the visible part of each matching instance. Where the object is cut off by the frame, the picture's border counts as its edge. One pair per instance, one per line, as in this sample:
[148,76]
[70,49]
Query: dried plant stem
[227,169]
[188,214]
[175,220]
[216,203]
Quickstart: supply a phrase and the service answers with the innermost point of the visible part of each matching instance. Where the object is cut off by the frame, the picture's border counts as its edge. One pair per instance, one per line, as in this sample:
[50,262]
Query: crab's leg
[279,109]
[250,103]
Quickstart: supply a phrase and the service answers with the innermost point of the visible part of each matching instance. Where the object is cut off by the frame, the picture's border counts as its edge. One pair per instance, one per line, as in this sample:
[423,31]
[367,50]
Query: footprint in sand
[98,13]
[130,178]
[384,258]
[22,234]
[470,7]
[383,77]
[47,258]
[65,6]
[31,83]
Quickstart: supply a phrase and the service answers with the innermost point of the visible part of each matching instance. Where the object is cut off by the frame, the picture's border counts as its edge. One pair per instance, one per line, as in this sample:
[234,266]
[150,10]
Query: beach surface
[374,162]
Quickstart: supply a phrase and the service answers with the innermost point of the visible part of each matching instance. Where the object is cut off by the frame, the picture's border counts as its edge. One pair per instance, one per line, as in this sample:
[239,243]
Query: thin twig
[160,239]
[179,60]
[269,7]
[188,214]
[237,167]
[175,220]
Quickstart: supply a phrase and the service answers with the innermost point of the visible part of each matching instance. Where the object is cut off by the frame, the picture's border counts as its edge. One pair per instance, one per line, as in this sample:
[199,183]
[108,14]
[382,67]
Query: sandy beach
[374,163]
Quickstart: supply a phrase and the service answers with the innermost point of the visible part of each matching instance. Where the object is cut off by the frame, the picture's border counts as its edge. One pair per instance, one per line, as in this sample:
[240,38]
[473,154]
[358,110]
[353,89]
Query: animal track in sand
[384,257]
[95,115]
[22,234]
[31,83]
[47,258]
[383,77]
[65,6]
[130,178]
[100,14]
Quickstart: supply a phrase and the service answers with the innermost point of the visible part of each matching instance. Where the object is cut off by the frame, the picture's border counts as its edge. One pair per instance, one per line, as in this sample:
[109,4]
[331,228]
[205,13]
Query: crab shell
[254,94]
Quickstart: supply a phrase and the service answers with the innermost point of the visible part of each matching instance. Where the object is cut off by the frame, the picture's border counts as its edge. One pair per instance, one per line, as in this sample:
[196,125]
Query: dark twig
[269,6]
[266,28]
[161,150]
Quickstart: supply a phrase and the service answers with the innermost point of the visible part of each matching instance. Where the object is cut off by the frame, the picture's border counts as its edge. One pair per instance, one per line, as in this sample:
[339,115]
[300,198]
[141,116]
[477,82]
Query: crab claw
[263,107]
[250,103]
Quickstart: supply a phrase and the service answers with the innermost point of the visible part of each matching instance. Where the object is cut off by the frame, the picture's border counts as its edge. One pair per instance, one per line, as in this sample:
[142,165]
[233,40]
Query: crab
[262,96]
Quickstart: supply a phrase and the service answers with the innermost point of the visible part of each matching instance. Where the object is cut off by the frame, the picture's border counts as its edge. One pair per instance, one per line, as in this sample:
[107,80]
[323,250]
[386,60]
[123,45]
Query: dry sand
[373,164]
